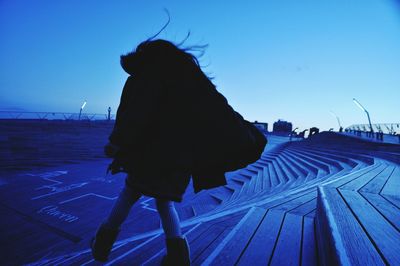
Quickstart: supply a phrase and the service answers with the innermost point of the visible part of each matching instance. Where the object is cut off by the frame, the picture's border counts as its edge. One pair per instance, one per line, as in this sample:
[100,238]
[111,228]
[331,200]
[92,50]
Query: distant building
[282,126]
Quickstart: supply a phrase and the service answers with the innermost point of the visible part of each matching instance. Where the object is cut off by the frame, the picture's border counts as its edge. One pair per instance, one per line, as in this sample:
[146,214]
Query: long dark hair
[162,57]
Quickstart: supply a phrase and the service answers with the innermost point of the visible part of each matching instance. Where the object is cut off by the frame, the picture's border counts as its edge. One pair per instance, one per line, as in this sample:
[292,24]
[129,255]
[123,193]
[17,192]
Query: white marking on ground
[87,195]
[53,210]
[58,190]
[52,186]
[145,205]
[48,174]
[55,188]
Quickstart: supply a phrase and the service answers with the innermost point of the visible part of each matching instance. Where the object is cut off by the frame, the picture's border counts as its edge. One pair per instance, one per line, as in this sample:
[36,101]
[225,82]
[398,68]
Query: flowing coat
[169,131]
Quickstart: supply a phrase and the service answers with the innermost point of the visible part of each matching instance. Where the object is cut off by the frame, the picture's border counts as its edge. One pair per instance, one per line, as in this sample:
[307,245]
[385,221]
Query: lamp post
[80,111]
[337,118]
[365,110]
[109,114]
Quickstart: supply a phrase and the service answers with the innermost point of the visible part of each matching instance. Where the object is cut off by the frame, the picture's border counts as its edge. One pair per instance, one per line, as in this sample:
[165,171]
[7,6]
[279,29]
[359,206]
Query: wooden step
[351,231]
[229,249]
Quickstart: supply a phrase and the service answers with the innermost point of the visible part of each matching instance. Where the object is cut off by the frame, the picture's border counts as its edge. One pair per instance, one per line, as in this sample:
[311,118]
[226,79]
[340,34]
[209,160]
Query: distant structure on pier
[282,126]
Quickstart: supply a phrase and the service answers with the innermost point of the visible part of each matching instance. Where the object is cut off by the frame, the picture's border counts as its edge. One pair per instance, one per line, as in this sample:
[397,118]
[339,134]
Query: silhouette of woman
[171,125]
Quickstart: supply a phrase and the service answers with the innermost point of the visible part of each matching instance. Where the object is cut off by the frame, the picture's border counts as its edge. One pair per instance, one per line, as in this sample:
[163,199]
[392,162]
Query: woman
[171,125]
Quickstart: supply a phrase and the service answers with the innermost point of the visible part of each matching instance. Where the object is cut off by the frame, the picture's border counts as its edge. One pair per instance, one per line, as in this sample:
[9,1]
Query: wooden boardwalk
[360,218]
[326,200]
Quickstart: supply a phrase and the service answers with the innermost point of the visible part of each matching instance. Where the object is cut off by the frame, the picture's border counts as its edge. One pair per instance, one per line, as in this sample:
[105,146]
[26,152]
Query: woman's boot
[178,253]
[102,243]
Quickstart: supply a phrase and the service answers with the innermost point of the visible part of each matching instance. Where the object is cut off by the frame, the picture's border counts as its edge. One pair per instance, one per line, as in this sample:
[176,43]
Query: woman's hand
[110,150]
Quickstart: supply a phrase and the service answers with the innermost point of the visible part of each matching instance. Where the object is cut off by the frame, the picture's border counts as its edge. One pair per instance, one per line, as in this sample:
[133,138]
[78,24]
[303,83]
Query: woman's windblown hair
[161,57]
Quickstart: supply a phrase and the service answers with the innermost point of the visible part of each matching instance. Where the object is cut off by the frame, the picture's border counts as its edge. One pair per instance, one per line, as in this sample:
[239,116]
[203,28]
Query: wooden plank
[243,191]
[336,157]
[373,169]
[394,200]
[305,208]
[230,248]
[376,184]
[312,160]
[349,154]
[228,220]
[251,170]
[296,166]
[262,244]
[131,250]
[17,231]
[259,182]
[208,249]
[296,202]
[358,183]
[385,236]
[303,163]
[341,239]
[118,250]
[252,186]
[312,213]
[273,176]
[289,170]
[288,246]
[281,175]
[309,246]
[325,159]
[266,179]
[392,186]
[391,212]
[204,240]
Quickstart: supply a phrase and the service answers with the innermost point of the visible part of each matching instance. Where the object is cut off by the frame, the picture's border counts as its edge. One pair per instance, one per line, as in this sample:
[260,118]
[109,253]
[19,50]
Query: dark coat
[169,130]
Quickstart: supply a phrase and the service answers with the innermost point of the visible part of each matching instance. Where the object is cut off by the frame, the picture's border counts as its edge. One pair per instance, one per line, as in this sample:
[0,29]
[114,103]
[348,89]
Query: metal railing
[386,128]
[54,116]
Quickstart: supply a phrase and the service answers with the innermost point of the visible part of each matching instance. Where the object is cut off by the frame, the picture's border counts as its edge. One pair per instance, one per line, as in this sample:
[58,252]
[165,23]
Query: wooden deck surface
[302,203]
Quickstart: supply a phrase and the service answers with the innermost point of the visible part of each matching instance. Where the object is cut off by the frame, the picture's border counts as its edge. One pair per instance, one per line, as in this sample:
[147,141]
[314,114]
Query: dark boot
[178,253]
[102,243]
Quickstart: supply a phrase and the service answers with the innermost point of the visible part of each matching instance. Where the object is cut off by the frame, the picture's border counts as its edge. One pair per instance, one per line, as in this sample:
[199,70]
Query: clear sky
[294,60]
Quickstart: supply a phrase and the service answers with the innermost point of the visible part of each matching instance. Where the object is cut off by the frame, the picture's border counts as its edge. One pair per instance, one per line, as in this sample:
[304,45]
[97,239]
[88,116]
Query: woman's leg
[178,252]
[108,231]
[127,197]
[169,218]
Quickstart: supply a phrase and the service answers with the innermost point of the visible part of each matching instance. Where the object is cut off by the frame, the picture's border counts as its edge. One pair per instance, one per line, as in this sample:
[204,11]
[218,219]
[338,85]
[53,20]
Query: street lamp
[80,111]
[365,110]
[337,118]
[109,114]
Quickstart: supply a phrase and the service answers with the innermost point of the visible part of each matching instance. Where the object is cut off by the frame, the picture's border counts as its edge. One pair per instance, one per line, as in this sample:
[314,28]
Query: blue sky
[294,60]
